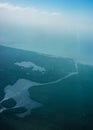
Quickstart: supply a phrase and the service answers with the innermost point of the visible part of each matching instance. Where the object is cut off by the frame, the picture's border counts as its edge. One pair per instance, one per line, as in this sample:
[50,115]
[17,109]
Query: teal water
[66,44]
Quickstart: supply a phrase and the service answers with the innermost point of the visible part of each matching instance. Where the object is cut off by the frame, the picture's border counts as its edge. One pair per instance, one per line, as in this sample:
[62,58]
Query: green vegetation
[15,110]
[10,73]
[8,103]
[67,105]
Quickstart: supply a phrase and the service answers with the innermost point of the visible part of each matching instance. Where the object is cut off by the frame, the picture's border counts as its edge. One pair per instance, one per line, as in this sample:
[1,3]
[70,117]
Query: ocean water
[76,45]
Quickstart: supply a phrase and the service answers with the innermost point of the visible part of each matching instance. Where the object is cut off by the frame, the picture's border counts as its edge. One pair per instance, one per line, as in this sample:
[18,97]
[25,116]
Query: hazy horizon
[53,28]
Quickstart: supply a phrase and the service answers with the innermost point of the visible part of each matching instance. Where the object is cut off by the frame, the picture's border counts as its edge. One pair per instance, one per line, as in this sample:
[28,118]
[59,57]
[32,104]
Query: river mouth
[19,93]
[21,98]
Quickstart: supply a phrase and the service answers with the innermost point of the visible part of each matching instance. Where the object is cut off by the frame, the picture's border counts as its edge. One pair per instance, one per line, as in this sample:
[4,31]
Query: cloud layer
[30,16]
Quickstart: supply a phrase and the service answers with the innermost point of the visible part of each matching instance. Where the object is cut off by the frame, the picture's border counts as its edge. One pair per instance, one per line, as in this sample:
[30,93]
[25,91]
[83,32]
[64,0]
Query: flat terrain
[64,92]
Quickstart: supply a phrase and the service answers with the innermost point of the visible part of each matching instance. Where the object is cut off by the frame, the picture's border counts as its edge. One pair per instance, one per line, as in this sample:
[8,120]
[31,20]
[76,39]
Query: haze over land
[52,28]
[60,98]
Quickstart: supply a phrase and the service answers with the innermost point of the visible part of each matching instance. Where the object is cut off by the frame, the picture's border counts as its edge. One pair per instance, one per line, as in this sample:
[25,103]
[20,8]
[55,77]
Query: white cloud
[34,17]
[10,7]
[17,8]
[55,13]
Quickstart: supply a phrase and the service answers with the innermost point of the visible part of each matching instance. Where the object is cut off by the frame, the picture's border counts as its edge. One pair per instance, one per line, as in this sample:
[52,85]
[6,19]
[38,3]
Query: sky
[55,14]
[84,4]
[56,27]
